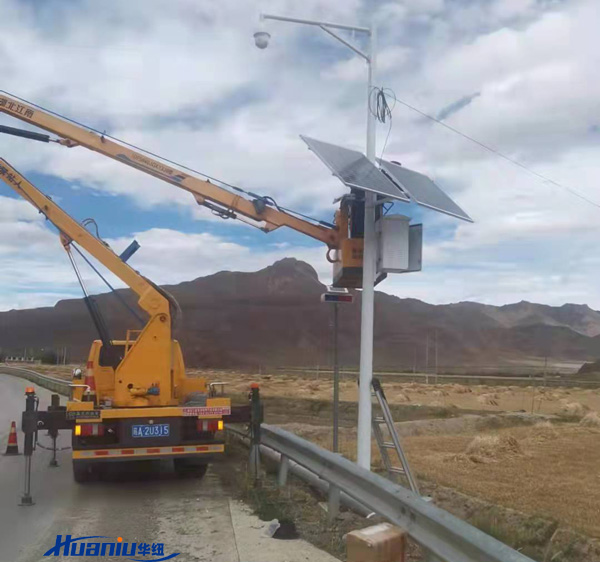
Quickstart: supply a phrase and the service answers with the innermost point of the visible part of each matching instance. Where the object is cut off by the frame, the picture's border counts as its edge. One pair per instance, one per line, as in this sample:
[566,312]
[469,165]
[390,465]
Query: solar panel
[354,169]
[423,190]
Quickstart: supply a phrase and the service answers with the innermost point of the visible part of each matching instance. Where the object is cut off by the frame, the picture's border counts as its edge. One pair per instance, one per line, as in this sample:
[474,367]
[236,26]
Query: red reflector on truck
[92,429]
[207,425]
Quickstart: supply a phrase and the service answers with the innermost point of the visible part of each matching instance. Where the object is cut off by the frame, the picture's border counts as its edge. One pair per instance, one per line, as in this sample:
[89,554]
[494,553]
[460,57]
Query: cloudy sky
[183,79]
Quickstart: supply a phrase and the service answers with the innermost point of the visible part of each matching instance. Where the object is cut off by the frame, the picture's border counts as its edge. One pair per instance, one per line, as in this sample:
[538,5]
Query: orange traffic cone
[90,380]
[12,448]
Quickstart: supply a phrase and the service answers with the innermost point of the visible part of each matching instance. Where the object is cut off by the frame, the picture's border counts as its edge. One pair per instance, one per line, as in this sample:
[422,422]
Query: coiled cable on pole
[381,108]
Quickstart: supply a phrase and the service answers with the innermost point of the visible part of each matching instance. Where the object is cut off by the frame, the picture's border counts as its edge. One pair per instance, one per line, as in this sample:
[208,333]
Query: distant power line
[501,155]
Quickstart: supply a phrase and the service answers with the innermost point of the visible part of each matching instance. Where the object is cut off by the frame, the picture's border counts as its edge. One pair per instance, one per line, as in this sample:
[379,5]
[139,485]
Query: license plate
[151,430]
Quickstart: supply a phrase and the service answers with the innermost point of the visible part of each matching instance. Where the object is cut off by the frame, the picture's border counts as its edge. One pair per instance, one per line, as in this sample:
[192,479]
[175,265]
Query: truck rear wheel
[82,472]
[190,468]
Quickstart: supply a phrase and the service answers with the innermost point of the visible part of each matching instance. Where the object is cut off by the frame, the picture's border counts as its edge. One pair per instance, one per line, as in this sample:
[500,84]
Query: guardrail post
[256,414]
[333,502]
[284,466]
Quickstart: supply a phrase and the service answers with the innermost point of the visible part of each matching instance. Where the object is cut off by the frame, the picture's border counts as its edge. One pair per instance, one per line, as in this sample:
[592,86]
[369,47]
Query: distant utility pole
[427,359]
[436,356]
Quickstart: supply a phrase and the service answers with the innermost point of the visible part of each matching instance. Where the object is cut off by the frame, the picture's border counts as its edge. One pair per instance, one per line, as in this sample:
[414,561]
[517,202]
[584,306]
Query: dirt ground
[546,470]
[553,472]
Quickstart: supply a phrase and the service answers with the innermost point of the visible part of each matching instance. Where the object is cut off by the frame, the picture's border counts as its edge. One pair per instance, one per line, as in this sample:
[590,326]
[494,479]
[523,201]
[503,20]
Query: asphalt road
[52,488]
[138,502]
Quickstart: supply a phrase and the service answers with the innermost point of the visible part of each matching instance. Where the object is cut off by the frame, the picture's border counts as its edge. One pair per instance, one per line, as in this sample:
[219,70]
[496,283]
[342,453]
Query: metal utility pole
[261,38]
[436,356]
[336,296]
[427,359]
[336,381]
[363,453]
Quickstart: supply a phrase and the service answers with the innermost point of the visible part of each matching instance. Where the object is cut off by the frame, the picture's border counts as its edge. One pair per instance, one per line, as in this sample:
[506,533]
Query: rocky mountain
[578,317]
[274,317]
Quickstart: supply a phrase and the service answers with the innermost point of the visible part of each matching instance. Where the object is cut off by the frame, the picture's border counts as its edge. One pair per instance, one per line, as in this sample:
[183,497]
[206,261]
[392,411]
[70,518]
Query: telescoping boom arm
[134,369]
[216,198]
[150,298]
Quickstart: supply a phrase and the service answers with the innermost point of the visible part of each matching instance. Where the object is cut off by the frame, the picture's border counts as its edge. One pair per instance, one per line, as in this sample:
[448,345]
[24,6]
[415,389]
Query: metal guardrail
[50,383]
[442,535]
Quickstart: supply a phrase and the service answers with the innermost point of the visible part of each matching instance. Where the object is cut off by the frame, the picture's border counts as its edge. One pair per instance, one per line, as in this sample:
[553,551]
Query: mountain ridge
[274,317]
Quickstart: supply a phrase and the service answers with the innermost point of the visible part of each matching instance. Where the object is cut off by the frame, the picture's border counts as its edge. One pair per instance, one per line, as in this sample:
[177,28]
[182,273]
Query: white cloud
[188,83]
[15,209]
[35,271]
[424,6]
[168,256]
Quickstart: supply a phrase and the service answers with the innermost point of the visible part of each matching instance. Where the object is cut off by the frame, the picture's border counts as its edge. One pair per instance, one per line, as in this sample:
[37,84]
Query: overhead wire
[513,161]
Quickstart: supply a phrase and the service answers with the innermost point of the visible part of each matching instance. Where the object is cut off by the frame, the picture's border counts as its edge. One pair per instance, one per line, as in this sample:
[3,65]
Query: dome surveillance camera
[261,39]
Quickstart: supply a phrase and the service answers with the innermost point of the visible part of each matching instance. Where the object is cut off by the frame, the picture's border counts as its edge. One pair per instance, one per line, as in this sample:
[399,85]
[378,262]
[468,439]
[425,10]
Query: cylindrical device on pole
[336,380]
[363,455]
[53,431]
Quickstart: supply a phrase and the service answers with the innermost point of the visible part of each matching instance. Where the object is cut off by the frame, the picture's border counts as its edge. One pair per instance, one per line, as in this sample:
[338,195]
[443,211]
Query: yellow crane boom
[153,358]
[150,299]
[205,192]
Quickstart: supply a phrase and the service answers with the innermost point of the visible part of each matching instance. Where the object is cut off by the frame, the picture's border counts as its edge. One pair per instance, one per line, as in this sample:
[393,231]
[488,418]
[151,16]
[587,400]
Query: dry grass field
[547,470]
[550,472]
[533,399]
